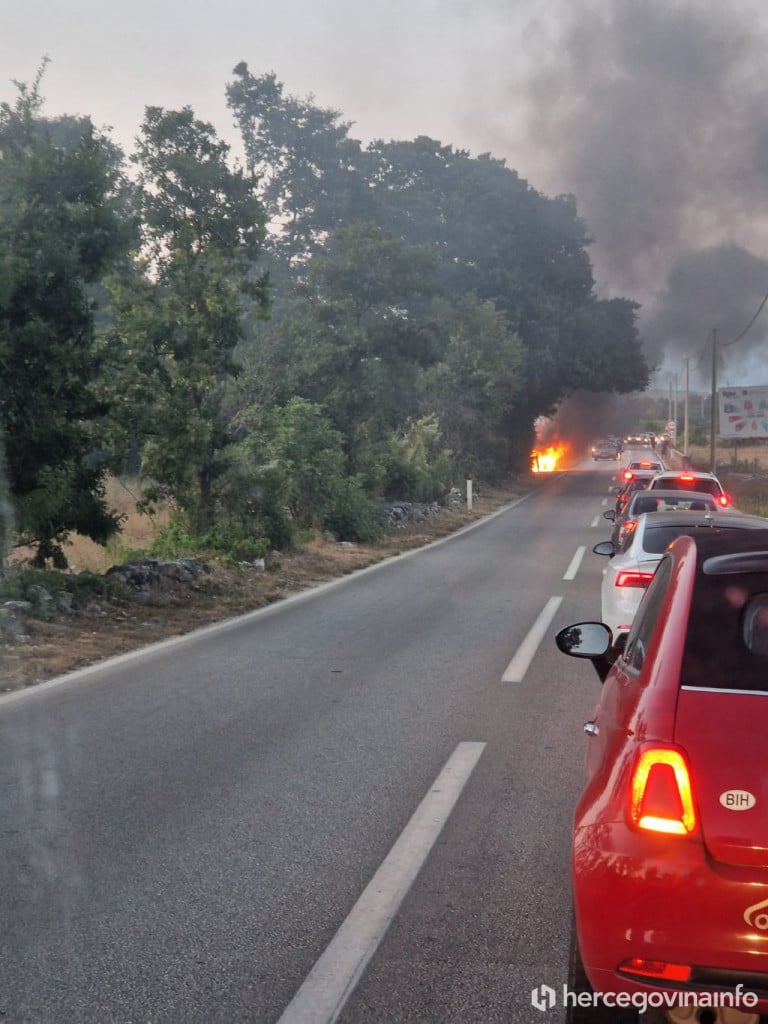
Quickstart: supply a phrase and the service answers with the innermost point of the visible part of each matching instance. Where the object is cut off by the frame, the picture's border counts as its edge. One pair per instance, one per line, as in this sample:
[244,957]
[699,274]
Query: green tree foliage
[309,169]
[179,319]
[354,337]
[490,235]
[62,225]
[418,467]
[500,239]
[476,388]
[308,452]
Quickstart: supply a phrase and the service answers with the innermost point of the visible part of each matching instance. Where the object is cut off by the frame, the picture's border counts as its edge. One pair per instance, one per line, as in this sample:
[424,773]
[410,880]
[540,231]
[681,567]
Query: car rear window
[646,502]
[676,483]
[656,539]
[726,644]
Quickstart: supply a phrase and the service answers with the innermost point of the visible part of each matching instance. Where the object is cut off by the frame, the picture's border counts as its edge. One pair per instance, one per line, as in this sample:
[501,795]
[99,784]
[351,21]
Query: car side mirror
[605,547]
[590,640]
[610,513]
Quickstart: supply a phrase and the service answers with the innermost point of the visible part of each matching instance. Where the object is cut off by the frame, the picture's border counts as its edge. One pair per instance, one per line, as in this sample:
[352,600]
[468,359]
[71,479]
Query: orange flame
[547,459]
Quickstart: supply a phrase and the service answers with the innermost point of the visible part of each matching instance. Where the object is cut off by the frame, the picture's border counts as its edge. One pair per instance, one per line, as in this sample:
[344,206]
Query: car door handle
[592,729]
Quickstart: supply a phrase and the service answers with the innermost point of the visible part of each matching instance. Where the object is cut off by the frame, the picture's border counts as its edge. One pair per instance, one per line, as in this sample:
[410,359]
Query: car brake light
[624,529]
[628,474]
[686,478]
[724,500]
[633,579]
[656,969]
[661,798]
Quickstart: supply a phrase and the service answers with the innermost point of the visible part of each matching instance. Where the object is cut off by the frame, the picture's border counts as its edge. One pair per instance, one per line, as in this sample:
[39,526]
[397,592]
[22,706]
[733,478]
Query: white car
[634,562]
[690,480]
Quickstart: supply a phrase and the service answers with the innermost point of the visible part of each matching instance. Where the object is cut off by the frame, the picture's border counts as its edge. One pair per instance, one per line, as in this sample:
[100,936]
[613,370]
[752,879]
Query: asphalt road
[386,760]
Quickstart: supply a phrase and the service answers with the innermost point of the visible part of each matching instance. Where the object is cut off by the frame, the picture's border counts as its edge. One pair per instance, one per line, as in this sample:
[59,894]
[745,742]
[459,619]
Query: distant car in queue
[669,853]
[643,501]
[633,562]
[605,450]
[635,469]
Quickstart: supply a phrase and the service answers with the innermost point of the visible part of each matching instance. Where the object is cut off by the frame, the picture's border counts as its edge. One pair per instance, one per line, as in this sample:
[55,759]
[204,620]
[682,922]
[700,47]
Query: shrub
[226,538]
[417,467]
[354,516]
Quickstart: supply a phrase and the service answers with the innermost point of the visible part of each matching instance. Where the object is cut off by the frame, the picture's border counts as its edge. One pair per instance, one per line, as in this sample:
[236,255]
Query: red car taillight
[625,528]
[723,500]
[686,478]
[658,969]
[661,797]
[633,579]
[628,474]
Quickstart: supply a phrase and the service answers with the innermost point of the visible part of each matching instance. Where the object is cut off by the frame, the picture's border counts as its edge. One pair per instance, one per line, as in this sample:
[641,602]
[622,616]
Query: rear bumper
[663,899]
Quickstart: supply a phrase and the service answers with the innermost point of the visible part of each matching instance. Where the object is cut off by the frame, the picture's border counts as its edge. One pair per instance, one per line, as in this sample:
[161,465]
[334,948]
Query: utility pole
[685,414]
[674,410]
[713,410]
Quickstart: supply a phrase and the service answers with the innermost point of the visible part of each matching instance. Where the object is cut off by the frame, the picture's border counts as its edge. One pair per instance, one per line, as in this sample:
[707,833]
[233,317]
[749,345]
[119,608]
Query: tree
[476,387]
[62,226]
[180,319]
[354,336]
[489,233]
[308,167]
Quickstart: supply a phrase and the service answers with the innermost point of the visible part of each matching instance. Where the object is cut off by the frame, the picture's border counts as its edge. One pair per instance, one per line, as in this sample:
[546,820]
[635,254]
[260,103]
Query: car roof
[697,474]
[720,552]
[675,492]
[639,497]
[643,546]
[732,521]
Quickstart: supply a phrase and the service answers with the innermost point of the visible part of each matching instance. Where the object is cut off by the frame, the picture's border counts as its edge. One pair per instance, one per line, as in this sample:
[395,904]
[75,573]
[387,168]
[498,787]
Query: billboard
[743,412]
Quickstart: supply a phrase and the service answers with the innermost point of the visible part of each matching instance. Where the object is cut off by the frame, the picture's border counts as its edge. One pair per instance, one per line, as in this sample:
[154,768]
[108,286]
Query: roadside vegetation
[269,353]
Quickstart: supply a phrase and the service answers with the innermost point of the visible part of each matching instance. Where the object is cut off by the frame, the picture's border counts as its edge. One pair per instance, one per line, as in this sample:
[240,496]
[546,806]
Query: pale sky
[654,113]
[397,68]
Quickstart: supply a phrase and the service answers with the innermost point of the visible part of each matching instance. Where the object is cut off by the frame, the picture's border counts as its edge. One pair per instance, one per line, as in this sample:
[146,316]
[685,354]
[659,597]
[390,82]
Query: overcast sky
[654,113]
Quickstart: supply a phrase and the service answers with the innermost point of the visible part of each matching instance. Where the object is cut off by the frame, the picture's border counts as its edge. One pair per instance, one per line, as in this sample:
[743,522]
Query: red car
[670,842]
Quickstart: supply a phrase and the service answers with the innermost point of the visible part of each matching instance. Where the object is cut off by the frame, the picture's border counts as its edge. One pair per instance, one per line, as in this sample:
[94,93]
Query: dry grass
[742,470]
[137,532]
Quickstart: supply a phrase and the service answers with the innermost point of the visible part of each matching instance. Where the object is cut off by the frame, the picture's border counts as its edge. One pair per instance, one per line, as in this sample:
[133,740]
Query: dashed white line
[516,669]
[597,520]
[604,502]
[331,981]
[573,568]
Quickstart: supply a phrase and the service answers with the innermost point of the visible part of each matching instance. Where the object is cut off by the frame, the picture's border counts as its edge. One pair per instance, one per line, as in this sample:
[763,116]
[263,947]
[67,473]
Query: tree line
[282,343]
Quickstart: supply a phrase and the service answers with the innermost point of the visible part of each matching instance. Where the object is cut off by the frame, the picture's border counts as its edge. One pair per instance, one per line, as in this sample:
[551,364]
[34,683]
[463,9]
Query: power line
[738,337]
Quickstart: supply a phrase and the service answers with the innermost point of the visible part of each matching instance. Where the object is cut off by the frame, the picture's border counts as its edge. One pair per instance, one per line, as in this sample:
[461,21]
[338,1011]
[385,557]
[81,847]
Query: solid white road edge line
[516,669]
[117,661]
[573,568]
[596,520]
[331,981]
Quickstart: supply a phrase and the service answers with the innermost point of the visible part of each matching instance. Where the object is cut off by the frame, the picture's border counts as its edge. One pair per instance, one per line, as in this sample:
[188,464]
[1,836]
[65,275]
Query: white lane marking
[604,502]
[516,669]
[596,520]
[331,981]
[573,568]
